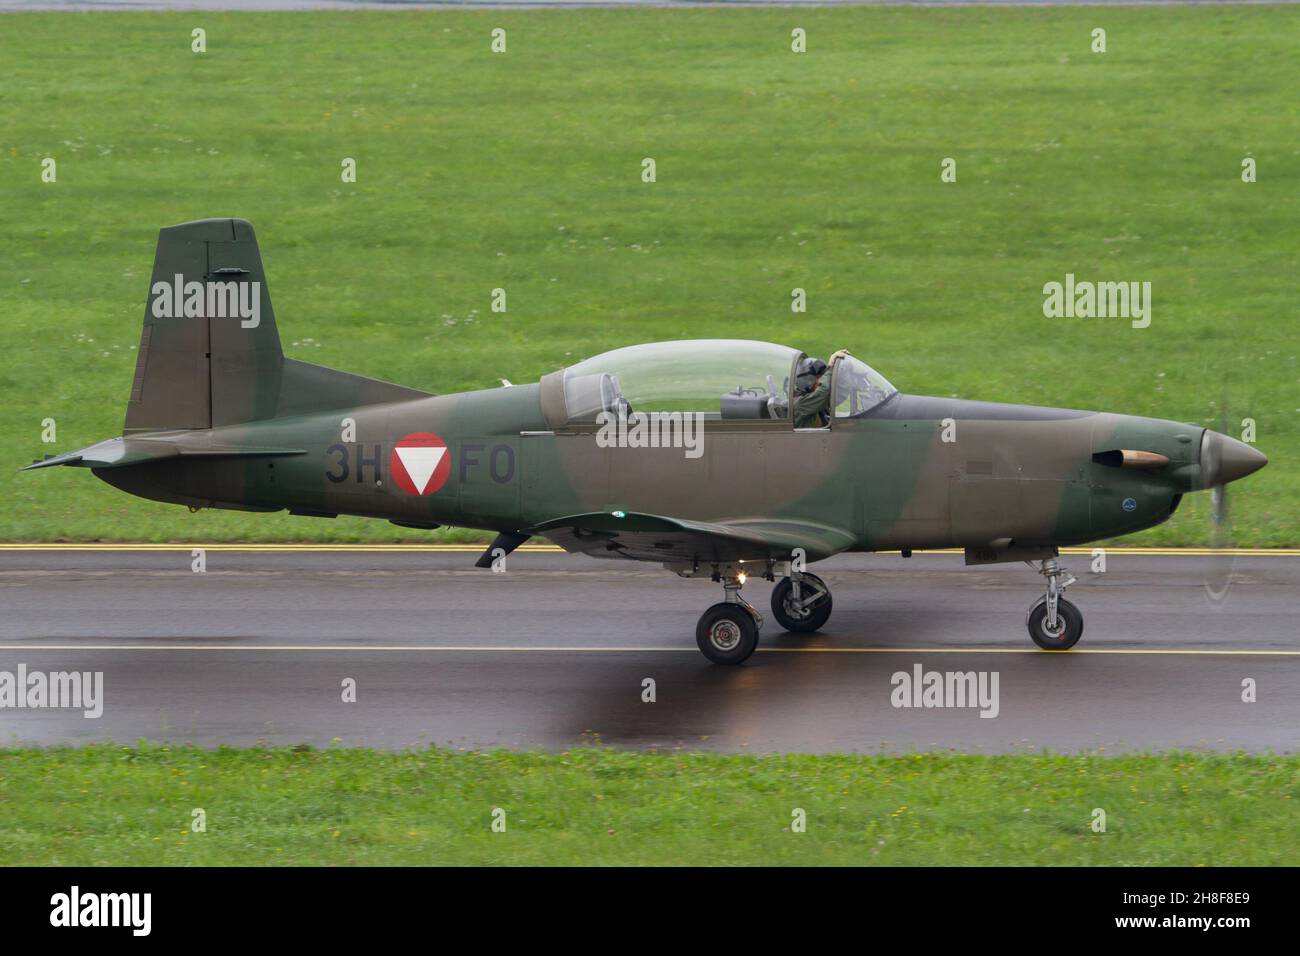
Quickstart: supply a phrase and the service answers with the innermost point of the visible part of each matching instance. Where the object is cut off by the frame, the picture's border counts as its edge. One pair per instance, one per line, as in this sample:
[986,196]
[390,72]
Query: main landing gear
[1054,623]
[728,631]
[801,602]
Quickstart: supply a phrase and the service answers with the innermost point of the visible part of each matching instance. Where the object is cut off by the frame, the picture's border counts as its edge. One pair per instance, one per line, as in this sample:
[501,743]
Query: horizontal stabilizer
[120,452]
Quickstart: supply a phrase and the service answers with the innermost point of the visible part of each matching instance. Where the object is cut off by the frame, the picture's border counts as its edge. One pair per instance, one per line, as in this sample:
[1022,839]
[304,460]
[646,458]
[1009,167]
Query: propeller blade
[1218,572]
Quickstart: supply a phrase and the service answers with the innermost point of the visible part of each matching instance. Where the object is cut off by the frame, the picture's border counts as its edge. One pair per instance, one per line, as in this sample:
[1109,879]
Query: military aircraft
[683,453]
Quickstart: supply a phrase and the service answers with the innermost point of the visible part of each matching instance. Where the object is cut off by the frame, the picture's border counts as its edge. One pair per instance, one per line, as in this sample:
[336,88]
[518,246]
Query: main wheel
[727,634]
[1069,625]
[801,620]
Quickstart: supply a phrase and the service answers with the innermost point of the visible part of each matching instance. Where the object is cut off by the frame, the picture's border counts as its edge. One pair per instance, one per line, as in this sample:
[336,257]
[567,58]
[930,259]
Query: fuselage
[916,472]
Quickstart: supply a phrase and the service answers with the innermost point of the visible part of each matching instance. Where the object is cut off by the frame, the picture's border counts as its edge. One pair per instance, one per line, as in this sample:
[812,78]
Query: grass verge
[134,806]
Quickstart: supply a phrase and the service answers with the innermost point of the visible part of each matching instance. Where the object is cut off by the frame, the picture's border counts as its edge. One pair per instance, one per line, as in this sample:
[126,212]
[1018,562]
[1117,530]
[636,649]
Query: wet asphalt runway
[553,653]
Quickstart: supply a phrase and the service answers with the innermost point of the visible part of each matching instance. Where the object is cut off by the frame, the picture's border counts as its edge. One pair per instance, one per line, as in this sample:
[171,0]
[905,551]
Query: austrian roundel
[420,463]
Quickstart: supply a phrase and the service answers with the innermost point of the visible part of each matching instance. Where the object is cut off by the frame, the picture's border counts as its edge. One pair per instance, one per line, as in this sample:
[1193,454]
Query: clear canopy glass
[723,378]
[859,388]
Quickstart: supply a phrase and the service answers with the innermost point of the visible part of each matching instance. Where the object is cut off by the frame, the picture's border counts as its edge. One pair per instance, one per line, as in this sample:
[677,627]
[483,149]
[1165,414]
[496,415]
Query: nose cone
[1225,459]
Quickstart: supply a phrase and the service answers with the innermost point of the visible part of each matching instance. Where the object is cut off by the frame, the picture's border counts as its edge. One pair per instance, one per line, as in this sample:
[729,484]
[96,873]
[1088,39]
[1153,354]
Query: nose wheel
[1054,623]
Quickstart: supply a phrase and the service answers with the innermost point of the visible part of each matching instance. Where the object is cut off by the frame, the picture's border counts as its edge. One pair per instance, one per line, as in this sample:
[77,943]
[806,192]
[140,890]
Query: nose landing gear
[1054,623]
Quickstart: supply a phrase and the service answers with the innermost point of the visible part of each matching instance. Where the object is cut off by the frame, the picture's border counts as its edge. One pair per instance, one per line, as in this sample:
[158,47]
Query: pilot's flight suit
[810,409]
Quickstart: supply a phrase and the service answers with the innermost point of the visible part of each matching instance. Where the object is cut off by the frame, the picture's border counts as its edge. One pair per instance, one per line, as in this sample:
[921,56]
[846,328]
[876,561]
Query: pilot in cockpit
[812,390]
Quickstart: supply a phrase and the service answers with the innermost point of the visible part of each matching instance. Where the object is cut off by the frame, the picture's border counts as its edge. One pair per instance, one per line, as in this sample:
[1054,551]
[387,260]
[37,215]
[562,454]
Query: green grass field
[129,806]
[775,170]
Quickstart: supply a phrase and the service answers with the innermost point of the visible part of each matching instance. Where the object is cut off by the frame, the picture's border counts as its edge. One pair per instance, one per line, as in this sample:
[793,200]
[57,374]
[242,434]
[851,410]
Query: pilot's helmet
[810,369]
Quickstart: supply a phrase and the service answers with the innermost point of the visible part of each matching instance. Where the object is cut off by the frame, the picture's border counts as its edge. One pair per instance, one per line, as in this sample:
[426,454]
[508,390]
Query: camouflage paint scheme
[219,418]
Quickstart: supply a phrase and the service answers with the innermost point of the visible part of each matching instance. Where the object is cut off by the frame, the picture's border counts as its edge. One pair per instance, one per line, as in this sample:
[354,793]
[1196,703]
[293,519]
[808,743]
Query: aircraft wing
[644,537]
[120,452]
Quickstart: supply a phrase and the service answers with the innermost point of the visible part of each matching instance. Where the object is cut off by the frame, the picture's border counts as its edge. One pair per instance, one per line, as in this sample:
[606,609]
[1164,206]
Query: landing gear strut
[1054,623]
[801,602]
[728,631]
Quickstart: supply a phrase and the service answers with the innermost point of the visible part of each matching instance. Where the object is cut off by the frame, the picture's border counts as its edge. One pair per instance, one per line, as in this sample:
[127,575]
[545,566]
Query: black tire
[727,634]
[1068,619]
[789,618]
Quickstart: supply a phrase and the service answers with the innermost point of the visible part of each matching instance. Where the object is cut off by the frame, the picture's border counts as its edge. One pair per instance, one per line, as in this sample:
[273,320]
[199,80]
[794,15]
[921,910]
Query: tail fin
[210,352]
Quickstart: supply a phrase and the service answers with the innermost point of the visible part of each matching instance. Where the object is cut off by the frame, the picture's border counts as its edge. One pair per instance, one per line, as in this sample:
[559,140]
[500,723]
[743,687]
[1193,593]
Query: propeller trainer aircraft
[684,453]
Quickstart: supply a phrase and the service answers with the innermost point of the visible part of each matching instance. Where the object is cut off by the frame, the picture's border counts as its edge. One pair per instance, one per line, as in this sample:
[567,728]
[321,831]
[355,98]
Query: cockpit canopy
[727,379]
[858,388]
[724,378]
